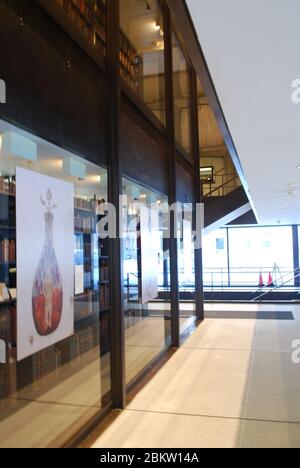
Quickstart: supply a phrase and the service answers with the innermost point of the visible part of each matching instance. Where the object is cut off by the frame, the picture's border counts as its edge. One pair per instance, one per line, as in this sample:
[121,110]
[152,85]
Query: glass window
[54,323]
[90,18]
[186,269]
[182,106]
[142,52]
[266,249]
[215,258]
[146,278]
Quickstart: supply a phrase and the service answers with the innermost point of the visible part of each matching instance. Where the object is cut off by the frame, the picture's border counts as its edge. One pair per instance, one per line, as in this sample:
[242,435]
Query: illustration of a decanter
[47,295]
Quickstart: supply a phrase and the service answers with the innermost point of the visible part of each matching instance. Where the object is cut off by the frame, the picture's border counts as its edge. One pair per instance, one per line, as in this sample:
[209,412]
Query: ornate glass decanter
[47,295]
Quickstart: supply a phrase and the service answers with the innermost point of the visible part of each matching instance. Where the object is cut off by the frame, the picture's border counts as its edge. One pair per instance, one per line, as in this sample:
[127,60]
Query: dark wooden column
[114,191]
[199,294]
[172,177]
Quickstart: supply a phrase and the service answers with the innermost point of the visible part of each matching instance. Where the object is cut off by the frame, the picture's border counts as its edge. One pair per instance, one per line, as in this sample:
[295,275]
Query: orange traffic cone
[261,283]
[270,281]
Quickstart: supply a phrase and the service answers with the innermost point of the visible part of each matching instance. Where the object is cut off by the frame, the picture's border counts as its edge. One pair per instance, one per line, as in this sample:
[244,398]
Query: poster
[45,261]
[149,253]
[79,279]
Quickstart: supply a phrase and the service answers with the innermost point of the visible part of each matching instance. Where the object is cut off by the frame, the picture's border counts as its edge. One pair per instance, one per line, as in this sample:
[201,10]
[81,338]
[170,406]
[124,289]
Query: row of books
[84,204]
[7,186]
[89,16]
[85,224]
[7,251]
[7,323]
[131,64]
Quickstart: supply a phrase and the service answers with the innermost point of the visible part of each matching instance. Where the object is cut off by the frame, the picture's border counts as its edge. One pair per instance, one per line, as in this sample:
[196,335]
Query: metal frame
[296,254]
[198,197]
[175,324]
[114,190]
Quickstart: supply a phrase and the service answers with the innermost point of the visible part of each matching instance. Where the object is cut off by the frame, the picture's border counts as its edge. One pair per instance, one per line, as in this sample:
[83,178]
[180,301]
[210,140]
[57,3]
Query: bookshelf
[131,65]
[91,306]
[7,231]
[90,18]
[92,255]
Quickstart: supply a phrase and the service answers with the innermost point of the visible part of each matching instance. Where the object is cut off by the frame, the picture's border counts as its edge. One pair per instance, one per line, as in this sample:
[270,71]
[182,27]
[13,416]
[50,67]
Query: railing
[223,184]
[292,276]
[247,277]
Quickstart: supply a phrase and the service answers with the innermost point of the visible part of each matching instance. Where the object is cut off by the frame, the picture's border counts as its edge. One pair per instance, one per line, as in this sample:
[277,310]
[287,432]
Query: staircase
[225,202]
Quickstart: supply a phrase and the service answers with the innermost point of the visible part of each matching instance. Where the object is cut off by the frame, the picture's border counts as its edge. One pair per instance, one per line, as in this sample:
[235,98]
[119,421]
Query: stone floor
[232,384]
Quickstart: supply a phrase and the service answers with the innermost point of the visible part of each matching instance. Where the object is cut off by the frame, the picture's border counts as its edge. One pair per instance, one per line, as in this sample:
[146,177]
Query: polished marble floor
[233,384]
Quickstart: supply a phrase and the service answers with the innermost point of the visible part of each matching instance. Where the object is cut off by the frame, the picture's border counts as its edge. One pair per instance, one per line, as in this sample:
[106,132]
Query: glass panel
[265,249]
[215,258]
[186,269]
[146,278]
[142,52]
[48,396]
[182,109]
[90,18]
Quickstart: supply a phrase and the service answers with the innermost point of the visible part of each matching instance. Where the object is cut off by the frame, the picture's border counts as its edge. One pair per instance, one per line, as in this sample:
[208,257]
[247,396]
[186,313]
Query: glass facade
[142,52]
[60,335]
[57,346]
[146,270]
[182,105]
[237,256]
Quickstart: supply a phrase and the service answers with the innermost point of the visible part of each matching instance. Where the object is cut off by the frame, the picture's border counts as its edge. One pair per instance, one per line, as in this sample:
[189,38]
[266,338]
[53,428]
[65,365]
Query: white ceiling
[252,48]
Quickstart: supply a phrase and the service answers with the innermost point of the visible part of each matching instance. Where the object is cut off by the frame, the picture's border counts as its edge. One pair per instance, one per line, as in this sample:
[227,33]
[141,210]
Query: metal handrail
[276,288]
[224,169]
[225,272]
[223,185]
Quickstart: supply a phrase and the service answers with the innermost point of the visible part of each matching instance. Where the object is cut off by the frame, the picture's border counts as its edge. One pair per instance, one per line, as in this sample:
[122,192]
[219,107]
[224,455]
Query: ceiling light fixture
[74,168]
[16,146]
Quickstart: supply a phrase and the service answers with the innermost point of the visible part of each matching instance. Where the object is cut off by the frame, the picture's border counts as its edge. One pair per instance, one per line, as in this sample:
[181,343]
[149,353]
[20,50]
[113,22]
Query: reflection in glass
[142,52]
[146,278]
[182,106]
[186,268]
[46,398]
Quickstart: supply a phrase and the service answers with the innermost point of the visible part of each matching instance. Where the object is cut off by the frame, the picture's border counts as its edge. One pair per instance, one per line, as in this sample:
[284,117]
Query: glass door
[146,278]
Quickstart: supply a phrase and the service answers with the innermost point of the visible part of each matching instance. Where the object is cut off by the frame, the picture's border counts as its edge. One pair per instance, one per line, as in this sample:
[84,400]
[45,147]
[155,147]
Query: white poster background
[188,256]
[149,253]
[30,242]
